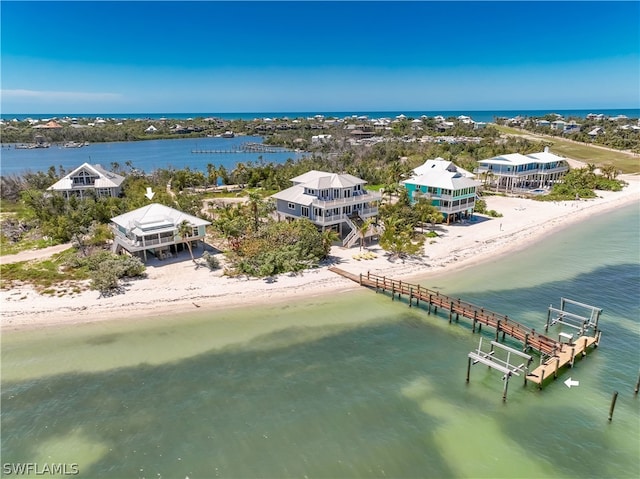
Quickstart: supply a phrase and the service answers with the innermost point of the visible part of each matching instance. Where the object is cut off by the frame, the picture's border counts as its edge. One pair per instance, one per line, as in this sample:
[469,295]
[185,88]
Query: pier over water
[554,354]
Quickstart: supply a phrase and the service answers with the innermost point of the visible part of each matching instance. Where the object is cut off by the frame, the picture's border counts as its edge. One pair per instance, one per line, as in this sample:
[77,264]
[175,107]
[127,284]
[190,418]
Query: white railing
[142,244]
[516,174]
[329,203]
[340,217]
[351,238]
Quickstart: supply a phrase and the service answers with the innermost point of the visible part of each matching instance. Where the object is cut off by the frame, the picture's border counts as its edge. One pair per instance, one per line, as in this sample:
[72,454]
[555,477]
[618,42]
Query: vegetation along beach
[320,240]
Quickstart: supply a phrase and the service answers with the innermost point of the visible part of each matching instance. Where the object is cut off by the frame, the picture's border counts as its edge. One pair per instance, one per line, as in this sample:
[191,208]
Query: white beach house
[88,180]
[451,189]
[153,229]
[330,201]
[517,173]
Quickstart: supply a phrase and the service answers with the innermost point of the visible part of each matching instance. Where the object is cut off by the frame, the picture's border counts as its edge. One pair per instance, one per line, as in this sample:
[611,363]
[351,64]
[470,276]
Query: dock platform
[566,355]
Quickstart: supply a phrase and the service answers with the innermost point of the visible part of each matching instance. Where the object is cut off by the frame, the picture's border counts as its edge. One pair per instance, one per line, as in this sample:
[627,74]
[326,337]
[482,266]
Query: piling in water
[613,404]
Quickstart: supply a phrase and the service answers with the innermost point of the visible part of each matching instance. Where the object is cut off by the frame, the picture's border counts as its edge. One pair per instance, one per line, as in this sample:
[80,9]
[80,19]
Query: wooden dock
[566,355]
[558,354]
[246,148]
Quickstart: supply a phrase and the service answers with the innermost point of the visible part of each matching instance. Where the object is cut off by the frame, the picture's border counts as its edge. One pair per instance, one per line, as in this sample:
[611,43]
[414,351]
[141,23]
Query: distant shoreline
[477,115]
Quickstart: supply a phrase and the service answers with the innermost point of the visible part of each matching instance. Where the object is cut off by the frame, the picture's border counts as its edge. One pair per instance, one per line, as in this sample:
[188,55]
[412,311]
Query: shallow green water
[352,385]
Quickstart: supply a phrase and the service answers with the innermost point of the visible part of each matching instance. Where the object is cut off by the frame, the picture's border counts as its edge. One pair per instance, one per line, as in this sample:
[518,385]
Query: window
[84,178]
[305,211]
[292,206]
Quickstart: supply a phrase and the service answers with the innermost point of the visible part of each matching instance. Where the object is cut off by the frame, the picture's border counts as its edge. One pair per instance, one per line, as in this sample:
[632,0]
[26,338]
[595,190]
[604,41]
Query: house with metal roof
[153,229]
[88,180]
[330,201]
[515,172]
[451,189]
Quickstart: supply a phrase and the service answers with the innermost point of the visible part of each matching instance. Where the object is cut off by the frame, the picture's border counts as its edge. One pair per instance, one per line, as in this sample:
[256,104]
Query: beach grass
[44,274]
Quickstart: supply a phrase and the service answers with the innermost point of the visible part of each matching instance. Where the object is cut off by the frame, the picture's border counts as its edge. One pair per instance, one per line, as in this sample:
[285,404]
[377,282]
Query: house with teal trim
[153,230]
[451,189]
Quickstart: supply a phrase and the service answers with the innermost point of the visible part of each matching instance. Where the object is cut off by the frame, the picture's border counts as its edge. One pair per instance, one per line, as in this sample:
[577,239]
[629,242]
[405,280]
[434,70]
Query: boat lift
[490,359]
[580,322]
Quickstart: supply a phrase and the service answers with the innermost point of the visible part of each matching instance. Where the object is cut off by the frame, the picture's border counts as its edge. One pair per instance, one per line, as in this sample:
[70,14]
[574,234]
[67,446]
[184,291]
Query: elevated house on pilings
[517,173]
[451,189]
[153,230]
[330,201]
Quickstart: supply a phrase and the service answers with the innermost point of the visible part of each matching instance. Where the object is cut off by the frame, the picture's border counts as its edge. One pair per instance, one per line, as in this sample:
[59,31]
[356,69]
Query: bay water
[147,155]
[348,385]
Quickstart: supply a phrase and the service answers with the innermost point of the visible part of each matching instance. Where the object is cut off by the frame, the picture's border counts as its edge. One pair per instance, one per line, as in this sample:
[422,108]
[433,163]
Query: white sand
[178,286]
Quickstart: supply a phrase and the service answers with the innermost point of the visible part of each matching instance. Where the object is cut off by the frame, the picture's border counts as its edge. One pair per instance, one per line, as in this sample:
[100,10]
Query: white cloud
[55,96]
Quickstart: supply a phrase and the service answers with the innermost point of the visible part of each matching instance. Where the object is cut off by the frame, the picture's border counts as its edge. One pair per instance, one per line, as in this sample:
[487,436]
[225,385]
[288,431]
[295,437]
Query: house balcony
[334,219]
[521,174]
[343,217]
[367,196]
[457,208]
[147,242]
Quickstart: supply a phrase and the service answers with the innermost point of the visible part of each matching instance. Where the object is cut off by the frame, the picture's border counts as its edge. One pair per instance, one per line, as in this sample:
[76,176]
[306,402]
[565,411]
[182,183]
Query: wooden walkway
[559,354]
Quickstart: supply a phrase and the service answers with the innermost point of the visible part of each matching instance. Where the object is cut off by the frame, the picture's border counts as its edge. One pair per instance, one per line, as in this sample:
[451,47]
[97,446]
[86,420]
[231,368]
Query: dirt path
[33,254]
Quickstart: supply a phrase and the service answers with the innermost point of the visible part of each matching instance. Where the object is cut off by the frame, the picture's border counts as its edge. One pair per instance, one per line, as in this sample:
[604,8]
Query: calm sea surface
[350,385]
[147,155]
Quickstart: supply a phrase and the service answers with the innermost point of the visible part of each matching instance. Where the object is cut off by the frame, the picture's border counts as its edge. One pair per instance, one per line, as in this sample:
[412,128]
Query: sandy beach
[178,286]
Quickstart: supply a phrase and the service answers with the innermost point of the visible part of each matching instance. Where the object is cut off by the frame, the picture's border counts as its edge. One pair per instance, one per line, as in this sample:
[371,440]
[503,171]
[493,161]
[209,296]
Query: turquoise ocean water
[350,385]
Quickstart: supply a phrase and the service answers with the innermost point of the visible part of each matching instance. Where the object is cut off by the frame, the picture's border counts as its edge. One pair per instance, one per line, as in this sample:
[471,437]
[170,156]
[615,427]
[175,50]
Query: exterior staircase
[355,222]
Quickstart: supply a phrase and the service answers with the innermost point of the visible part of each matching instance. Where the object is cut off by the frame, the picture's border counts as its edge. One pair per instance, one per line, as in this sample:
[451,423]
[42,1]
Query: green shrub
[212,262]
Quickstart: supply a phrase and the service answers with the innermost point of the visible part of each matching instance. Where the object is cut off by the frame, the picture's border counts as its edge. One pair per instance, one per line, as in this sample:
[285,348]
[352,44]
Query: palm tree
[391,189]
[184,231]
[212,175]
[363,230]
[239,174]
[328,238]
[255,201]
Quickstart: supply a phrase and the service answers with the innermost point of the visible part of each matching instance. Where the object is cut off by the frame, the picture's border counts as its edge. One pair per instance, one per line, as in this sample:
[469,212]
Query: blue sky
[209,56]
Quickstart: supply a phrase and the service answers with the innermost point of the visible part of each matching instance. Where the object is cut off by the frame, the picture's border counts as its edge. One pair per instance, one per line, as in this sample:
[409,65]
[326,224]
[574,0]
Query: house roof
[156,217]
[315,180]
[106,179]
[440,164]
[546,157]
[443,179]
[49,125]
[294,194]
[515,159]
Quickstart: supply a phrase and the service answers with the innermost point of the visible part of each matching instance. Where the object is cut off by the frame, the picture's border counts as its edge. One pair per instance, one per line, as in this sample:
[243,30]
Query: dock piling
[613,405]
